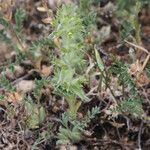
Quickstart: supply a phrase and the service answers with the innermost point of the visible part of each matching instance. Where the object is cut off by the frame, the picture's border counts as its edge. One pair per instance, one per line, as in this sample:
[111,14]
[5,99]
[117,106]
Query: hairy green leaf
[19,18]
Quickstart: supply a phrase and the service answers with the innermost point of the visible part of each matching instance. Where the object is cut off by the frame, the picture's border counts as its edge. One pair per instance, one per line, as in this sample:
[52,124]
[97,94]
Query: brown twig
[145,62]
[137,46]
[139,135]
[144,50]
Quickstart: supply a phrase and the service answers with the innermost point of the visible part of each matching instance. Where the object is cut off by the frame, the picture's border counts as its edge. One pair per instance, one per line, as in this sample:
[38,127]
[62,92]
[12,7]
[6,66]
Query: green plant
[39,84]
[15,31]
[129,16]
[35,113]
[6,84]
[127,12]
[71,129]
[69,67]
[35,50]
[68,80]
[131,106]
[87,13]
[131,24]
[128,5]
[69,70]
[19,18]
[131,102]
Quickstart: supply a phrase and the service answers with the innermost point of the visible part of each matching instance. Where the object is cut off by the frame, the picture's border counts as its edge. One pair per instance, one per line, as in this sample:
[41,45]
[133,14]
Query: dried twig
[139,136]
[144,50]
[145,62]
[137,46]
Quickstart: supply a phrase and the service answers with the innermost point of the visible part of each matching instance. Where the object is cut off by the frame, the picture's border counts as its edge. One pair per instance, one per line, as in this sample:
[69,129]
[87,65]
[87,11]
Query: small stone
[18,71]
[25,86]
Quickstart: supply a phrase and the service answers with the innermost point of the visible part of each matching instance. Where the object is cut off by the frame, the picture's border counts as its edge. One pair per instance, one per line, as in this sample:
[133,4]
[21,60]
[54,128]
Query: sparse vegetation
[64,83]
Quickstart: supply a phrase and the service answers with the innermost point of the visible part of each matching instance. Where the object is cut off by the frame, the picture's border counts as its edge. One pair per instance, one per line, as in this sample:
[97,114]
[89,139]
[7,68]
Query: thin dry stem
[137,46]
